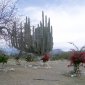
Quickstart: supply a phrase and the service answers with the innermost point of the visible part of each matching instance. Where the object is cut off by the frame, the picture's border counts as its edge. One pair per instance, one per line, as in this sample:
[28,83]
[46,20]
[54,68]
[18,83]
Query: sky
[67,18]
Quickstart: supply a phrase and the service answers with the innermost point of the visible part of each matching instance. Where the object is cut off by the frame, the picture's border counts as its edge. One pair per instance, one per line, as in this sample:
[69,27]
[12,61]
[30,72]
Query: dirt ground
[34,74]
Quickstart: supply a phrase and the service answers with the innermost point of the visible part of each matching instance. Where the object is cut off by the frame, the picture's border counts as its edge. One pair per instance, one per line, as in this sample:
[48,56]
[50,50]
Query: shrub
[62,56]
[77,58]
[45,58]
[17,58]
[29,58]
[3,59]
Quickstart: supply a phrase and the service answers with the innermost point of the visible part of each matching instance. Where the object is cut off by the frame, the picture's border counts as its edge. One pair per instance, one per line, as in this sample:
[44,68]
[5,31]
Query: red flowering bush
[77,58]
[45,58]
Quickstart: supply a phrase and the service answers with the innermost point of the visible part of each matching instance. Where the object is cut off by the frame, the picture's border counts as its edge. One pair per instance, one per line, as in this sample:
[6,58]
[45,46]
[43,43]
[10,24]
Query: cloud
[68,22]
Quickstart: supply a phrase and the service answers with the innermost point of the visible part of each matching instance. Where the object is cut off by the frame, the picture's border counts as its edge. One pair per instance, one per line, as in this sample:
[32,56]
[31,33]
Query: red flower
[45,58]
[77,57]
[82,57]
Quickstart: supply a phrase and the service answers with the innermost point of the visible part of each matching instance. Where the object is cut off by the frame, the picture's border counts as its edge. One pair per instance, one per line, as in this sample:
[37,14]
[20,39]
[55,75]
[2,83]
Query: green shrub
[29,58]
[64,55]
[17,58]
[3,59]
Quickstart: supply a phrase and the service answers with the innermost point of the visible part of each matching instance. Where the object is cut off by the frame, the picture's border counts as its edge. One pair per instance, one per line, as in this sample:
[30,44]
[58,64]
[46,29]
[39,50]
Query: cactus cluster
[30,39]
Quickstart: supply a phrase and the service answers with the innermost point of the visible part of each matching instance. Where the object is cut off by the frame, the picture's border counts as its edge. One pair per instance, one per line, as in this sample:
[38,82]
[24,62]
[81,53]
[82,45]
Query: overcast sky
[67,19]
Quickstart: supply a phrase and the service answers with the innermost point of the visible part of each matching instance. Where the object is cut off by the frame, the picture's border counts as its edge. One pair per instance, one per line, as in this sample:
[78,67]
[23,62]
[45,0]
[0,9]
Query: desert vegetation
[34,63]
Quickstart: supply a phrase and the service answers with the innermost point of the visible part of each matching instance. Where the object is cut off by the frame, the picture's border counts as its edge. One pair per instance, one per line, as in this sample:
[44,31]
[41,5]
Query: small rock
[11,69]
[30,65]
[74,75]
[35,67]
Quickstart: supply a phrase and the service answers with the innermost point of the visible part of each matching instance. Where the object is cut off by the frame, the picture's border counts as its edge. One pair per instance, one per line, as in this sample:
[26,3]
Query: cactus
[43,35]
[39,41]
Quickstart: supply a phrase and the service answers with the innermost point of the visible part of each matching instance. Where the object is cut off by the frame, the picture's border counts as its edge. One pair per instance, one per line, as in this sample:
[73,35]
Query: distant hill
[9,50]
[6,48]
[56,51]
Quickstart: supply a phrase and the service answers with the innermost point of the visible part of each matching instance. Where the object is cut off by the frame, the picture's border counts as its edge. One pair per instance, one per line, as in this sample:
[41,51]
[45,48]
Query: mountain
[56,51]
[9,50]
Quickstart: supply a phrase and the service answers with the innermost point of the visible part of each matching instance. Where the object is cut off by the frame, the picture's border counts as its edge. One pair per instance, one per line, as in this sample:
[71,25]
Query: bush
[17,58]
[3,59]
[64,55]
[29,58]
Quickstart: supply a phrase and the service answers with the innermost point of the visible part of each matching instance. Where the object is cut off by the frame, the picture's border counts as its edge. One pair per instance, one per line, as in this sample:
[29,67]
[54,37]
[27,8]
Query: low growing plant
[3,59]
[45,58]
[17,60]
[29,58]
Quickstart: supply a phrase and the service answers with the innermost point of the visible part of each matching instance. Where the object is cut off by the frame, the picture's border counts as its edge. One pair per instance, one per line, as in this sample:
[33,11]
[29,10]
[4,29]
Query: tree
[7,12]
[21,37]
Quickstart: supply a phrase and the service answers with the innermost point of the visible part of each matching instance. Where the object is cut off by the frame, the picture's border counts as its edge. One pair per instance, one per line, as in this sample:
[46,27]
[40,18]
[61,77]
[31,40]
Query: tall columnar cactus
[42,19]
[21,37]
[45,21]
[39,41]
[43,35]
[27,33]
[14,35]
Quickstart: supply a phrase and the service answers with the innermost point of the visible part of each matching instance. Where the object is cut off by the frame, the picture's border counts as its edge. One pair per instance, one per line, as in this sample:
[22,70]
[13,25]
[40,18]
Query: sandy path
[40,76]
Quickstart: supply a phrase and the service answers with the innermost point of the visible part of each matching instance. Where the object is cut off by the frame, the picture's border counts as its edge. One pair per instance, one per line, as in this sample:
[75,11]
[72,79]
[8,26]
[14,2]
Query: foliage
[17,58]
[45,58]
[3,59]
[77,58]
[29,58]
[62,56]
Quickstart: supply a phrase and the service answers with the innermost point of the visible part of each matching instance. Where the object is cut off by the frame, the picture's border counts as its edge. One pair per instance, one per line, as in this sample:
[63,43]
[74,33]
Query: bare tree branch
[74,45]
[7,9]
[7,14]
